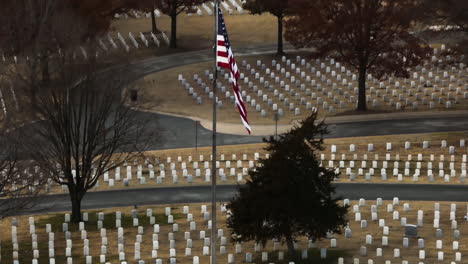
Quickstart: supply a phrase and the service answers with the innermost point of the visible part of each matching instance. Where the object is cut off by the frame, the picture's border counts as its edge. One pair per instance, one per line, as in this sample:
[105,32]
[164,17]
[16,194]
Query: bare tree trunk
[291,251]
[45,69]
[280,36]
[173,43]
[154,29]
[33,98]
[75,197]
[362,89]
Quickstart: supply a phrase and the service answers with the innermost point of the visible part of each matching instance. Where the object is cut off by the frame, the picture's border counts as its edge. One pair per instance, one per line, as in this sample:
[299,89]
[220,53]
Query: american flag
[225,59]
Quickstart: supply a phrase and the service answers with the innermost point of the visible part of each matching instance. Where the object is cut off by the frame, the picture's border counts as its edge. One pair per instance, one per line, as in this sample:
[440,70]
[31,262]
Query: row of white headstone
[353,164]
[414,164]
[188,174]
[398,104]
[133,40]
[358,210]
[407,145]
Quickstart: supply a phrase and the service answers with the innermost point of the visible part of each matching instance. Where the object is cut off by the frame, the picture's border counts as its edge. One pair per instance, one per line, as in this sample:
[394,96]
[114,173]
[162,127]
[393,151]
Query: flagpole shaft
[213,162]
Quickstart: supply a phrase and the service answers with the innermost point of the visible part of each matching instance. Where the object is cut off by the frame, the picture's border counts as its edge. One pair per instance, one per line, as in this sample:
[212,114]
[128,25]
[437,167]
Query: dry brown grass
[351,246]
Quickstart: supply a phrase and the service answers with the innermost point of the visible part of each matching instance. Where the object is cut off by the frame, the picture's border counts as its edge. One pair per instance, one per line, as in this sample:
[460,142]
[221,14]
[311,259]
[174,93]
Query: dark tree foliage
[278,8]
[289,194]
[372,36]
[38,29]
[173,8]
[448,12]
[452,13]
[24,21]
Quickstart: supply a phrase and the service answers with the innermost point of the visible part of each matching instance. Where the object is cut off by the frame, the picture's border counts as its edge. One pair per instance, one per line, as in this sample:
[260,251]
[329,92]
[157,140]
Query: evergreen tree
[289,194]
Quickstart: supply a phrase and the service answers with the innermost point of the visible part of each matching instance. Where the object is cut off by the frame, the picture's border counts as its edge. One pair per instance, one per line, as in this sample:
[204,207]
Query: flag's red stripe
[223,54]
[240,104]
[223,65]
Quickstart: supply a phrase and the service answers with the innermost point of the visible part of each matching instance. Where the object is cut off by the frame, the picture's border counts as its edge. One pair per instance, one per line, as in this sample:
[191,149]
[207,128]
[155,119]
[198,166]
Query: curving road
[180,132]
[198,194]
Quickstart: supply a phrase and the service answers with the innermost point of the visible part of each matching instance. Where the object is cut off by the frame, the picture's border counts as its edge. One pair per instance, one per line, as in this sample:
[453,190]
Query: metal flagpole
[213,162]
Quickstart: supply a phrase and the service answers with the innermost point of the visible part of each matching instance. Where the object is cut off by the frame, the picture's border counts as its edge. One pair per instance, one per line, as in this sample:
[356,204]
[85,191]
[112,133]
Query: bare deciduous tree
[278,8]
[371,36]
[88,125]
[173,8]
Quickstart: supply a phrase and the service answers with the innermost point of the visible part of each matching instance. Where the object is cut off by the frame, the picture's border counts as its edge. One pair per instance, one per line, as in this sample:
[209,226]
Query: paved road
[180,132]
[196,194]
[177,132]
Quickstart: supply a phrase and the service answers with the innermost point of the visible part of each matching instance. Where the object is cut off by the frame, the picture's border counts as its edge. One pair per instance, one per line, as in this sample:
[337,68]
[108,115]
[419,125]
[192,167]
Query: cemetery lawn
[196,32]
[342,145]
[163,92]
[346,247]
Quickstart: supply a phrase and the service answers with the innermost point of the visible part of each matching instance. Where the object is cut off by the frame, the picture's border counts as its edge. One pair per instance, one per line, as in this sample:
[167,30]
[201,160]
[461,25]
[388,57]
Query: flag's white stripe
[234,68]
[234,65]
[237,96]
[223,59]
[246,125]
[234,72]
[233,78]
[222,48]
[220,37]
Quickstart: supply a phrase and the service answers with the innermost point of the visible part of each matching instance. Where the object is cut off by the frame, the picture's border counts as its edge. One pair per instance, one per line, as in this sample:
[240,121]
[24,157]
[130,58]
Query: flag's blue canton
[222,29]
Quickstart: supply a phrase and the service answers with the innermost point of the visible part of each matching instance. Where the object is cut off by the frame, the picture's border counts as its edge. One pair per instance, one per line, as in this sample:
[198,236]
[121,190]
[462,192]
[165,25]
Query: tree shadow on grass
[313,257]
